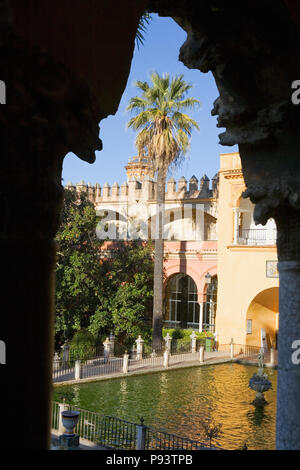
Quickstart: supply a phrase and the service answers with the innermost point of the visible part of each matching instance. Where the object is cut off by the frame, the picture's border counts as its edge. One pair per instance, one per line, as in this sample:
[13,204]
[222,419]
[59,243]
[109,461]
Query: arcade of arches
[183,308]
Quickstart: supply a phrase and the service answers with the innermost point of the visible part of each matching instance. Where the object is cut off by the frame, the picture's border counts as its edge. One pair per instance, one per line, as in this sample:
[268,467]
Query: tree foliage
[95,291]
[164,129]
[142,28]
[127,304]
[78,268]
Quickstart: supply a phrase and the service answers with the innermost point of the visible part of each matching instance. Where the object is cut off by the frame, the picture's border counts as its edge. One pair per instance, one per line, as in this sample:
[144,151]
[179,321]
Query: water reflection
[179,400]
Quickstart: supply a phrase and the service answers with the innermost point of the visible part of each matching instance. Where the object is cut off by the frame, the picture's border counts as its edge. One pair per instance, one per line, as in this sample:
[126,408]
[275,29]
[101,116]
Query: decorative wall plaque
[271,268]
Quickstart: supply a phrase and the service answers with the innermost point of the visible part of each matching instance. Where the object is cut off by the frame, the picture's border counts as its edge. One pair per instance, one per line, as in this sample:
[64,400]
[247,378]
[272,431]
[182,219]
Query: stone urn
[259,383]
[70,419]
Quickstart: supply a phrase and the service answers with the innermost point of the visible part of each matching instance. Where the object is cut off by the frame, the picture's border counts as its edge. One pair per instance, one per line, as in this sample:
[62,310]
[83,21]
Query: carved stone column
[236,213]
[38,126]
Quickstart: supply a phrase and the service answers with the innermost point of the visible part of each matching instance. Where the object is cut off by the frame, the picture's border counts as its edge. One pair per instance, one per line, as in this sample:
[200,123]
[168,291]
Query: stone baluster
[139,348]
[77,369]
[168,342]
[166,358]
[125,363]
[193,337]
[112,344]
[201,354]
[106,345]
[232,348]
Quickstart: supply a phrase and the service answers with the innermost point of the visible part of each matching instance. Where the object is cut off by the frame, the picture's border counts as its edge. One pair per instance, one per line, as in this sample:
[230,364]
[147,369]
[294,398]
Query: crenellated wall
[145,189]
[191,208]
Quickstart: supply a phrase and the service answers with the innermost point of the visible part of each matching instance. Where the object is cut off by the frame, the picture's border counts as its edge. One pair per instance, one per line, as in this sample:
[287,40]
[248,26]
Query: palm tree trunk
[159,261]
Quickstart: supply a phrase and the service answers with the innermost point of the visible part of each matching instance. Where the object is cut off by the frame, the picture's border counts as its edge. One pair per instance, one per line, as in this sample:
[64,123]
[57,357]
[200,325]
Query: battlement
[145,189]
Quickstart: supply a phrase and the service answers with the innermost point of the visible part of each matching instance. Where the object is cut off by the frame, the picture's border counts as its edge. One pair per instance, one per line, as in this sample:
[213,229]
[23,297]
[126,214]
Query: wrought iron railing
[160,440]
[63,370]
[257,236]
[110,364]
[115,433]
[100,366]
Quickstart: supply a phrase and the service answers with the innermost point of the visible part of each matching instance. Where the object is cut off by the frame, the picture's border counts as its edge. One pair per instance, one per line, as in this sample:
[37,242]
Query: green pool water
[177,401]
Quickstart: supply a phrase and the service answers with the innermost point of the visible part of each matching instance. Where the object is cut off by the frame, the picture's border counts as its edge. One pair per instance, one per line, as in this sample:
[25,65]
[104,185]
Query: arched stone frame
[268,132]
[198,278]
[171,276]
[175,269]
[263,311]
[213,271]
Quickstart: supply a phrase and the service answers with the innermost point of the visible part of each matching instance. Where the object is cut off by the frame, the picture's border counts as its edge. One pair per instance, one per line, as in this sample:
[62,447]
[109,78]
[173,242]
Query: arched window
[182,307]
[210,305]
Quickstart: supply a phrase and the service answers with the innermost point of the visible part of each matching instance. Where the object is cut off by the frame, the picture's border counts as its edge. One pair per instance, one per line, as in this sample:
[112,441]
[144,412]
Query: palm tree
[164,132]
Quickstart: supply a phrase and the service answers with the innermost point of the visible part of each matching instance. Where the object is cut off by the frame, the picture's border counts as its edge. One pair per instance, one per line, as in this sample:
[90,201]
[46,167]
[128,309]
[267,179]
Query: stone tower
[139,168]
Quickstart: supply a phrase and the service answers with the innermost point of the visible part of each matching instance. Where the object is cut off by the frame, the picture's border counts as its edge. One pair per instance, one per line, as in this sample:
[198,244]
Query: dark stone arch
[56,95]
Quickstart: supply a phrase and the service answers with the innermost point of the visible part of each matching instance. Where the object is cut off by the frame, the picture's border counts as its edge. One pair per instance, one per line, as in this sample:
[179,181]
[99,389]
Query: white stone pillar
[166,359]
[125,363]
[106,345]
[139,348]
[201,317]
[66,351]
[168,340]
[140,436]
[193,337]
[201,354]
[288,383]
[77,369]
[112,344]
[272,357]
[232,348]
[236,212]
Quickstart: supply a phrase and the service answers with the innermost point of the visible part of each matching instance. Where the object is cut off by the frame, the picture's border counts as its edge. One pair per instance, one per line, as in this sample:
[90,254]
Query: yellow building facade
[248,283]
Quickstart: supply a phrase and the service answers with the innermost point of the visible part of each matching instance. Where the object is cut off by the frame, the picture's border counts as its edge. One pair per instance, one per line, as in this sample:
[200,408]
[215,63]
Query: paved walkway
[98,369]
[94,372]
[84,444]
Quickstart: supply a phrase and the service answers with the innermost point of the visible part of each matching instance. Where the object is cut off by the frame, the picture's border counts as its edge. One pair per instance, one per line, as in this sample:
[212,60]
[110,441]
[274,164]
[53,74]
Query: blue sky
[159,53]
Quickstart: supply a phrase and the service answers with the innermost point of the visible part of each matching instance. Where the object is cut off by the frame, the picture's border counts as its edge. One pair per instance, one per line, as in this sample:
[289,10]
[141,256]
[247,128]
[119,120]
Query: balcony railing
[257,236]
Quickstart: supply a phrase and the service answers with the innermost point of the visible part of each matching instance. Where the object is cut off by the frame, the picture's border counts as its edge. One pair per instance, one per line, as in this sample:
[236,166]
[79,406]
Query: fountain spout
[259,381]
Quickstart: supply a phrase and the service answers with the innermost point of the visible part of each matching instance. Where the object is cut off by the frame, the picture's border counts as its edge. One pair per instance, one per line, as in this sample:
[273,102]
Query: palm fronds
[142,28]
[163,129]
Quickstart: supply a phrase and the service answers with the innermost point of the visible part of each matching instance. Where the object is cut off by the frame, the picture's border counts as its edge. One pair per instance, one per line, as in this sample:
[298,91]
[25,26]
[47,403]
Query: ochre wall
[241,269]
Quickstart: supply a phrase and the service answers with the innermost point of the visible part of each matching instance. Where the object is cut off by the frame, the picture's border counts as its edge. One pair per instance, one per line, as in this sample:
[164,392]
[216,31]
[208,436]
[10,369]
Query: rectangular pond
[178,401]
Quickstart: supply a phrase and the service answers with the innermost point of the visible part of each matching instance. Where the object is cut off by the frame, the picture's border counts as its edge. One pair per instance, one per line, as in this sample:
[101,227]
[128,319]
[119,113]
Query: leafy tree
[77,269]
[128,298]
[164,131]
[95,292]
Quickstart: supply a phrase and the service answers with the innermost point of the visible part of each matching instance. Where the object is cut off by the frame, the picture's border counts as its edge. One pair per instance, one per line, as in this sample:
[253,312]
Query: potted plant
[208,342]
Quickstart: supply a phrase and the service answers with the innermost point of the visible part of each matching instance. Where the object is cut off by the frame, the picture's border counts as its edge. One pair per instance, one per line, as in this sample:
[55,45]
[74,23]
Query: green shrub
[82,345]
